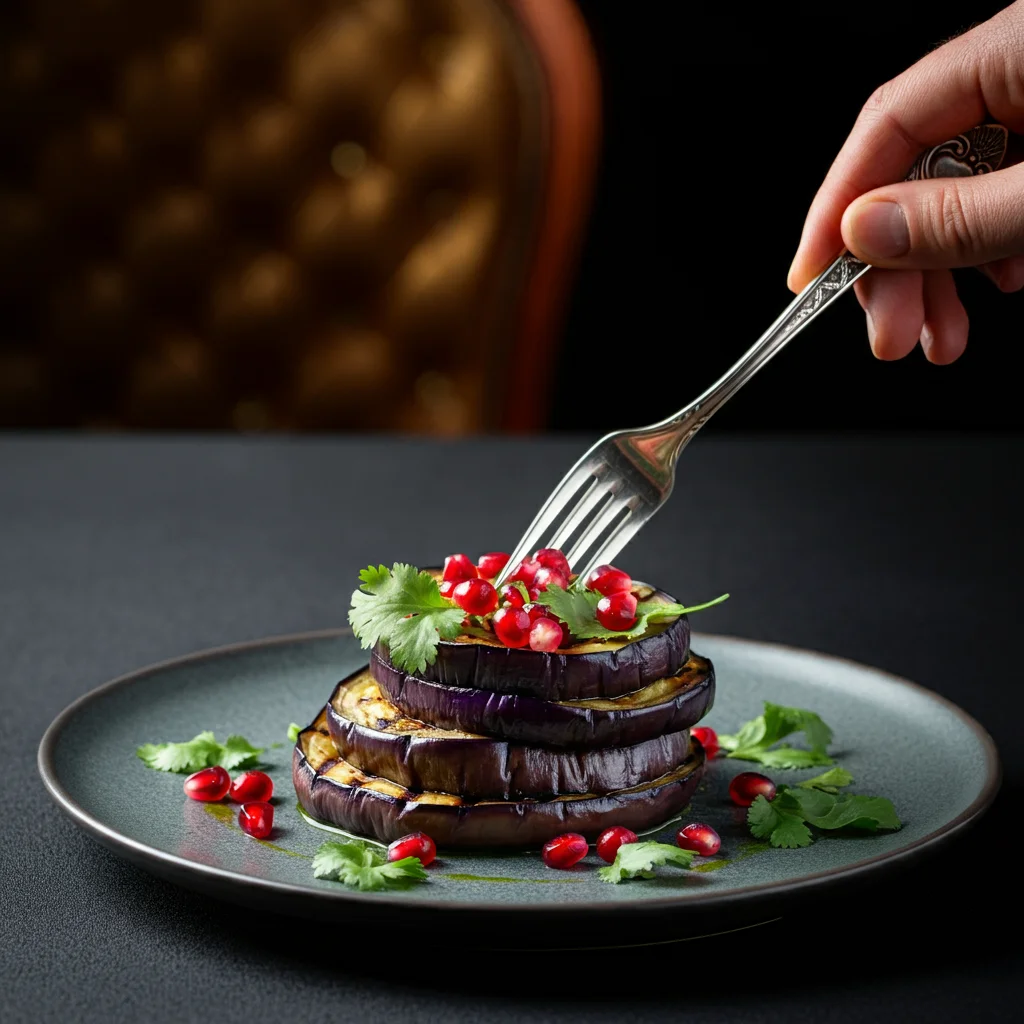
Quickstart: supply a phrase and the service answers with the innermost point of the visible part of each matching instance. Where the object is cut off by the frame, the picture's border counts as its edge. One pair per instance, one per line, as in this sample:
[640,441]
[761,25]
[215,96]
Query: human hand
[918,230]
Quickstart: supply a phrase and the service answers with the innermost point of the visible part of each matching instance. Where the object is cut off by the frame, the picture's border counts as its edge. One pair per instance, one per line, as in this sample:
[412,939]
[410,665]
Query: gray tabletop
[114,553]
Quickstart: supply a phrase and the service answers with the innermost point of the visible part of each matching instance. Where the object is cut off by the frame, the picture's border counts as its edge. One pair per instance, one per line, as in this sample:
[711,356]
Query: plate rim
[141,853]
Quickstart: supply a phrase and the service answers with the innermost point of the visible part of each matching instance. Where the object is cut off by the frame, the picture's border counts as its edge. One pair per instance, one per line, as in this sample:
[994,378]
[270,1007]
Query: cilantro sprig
[790,819]
[364,867]
[638,860]
[756,738]
[202,751]
[293,732]
[403,608]
[577,608]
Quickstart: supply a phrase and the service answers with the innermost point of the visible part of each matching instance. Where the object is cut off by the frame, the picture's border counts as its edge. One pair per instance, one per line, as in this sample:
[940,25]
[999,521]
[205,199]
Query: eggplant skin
[665,706]
[338,793]
[371,734]
[588,669]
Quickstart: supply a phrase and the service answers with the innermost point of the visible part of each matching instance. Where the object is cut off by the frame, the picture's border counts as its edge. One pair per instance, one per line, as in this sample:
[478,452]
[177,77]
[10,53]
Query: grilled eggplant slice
[375,737]
[668,705]
[587,669]
[335,791]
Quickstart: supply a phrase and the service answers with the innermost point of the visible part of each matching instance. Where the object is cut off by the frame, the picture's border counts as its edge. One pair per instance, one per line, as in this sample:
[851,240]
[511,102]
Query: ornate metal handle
[978,151]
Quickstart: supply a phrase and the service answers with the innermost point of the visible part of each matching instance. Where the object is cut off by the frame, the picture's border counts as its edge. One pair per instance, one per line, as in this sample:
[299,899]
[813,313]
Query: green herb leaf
[202,751]
[293,732]
[578,610]
[638,860]
[755,737]
[829,782]
[403,608]
[363,867]
[521,587]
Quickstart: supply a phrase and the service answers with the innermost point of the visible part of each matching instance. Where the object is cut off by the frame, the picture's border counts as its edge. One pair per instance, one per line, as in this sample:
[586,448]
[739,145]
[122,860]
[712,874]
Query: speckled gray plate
[895,737]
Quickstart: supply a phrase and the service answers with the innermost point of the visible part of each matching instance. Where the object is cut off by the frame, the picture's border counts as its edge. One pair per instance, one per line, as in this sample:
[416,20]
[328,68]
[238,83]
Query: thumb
[943,222]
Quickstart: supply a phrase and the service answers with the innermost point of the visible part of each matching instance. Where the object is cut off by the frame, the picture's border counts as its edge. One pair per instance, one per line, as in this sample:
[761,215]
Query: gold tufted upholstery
[284,214]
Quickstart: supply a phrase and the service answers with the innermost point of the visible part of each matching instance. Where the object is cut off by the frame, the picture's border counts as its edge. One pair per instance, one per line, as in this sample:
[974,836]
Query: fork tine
[592,497]
[617,540]
[571,484]
[612,508]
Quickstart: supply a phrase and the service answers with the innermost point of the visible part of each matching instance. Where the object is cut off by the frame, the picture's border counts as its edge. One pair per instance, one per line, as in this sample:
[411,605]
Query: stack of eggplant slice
[497,747]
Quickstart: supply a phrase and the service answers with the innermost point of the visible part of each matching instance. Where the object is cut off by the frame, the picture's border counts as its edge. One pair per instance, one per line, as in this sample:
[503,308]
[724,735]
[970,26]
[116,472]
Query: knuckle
[950,222]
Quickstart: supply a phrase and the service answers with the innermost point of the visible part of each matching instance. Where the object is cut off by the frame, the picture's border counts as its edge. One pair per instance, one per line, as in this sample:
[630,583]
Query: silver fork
[628,475]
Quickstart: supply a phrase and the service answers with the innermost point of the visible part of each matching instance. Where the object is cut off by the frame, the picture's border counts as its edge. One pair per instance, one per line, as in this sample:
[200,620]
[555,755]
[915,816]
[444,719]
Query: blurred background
[442,216]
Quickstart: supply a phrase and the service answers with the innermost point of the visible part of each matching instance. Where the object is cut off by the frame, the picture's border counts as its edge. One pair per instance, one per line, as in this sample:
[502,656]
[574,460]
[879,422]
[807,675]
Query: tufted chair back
[289,214]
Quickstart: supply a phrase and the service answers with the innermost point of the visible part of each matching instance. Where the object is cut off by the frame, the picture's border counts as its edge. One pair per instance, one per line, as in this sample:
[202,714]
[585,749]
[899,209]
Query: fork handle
[978,151]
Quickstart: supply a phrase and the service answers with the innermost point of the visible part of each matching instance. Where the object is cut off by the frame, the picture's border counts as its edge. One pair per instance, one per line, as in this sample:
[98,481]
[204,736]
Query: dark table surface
[903,553]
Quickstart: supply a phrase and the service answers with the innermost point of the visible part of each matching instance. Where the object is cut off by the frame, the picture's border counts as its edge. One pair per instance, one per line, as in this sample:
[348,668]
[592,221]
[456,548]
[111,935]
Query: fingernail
[871,329]
[927,339]
[880,230]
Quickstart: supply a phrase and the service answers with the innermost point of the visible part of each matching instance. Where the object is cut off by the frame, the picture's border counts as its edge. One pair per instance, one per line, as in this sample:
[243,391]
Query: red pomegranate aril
[477,597]
[525,571]
[547,577]
[537,611]
[512,626]
[447,586]
[251,787]
[564,851]
[545,635]
[256,819]
[417,844]
[491,564]
[748,786]
[707,738]
[607,580]
[617,612]
[609,841]
[209,784]
[512,595]
[552,558]
[700,838]
[459,567]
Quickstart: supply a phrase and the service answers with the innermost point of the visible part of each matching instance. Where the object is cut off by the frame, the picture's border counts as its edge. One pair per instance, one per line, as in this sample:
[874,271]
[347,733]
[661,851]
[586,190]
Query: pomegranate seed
[606,579]
[748,786]
[512,595]
[564,851]
[251,787]
[700,838]
[446,587]
[609,841]
[491,564]
[418,844]
[552,558]
[477,597]
[459,567]
[209,784]
[547,577]
[545,635]
[526,571]
[512,626]
[537,611]
[256,819]
[617,612]
[707,738]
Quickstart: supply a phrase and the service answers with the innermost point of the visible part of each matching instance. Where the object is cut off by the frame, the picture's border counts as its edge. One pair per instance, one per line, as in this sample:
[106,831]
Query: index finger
[947,92]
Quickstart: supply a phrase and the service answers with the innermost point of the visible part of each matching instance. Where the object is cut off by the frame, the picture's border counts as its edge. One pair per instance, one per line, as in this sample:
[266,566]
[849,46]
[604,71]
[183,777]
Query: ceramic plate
[894,736]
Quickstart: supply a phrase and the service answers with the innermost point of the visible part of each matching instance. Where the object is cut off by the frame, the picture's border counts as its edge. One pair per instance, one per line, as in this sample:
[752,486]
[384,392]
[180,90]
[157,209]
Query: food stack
[497,746]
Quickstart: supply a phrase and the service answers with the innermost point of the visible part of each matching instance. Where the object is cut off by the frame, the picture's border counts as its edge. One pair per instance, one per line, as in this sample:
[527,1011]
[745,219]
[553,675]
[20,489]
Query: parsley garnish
[364,867]
[202,751]
[784,820]
[578,610]
[755,737]
[403,608]
[293,732]
[638,860]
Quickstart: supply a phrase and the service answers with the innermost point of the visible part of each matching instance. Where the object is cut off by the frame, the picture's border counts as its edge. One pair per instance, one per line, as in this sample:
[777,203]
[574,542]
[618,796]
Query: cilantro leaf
[578,610]
[755,737]
[869,813]
[638,860]
[363,867]
[403,608]
[782,828]
[239,753]
[829,782]
[293,732]
[201,751]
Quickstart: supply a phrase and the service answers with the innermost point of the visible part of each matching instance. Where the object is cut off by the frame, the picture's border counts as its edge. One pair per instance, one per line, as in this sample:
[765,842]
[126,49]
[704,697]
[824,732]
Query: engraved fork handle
[978,151]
